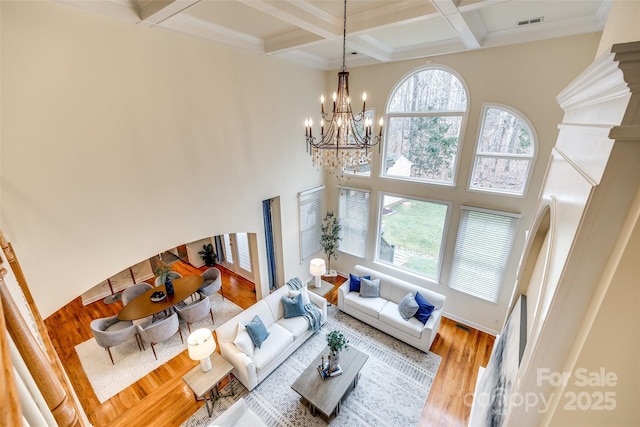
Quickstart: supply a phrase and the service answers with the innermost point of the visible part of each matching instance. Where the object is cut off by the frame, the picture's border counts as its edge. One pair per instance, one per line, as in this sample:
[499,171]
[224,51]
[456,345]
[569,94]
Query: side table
[323,290]
[205,384]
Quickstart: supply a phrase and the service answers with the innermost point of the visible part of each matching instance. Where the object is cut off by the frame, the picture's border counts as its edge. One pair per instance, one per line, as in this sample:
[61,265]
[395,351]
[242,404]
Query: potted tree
[330,238]
[208,255]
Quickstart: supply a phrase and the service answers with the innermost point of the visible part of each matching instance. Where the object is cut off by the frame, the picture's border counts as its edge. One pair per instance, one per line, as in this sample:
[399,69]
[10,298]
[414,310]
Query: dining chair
[212,282]
[195,311]
[156,332]
[110,331]
[134,291]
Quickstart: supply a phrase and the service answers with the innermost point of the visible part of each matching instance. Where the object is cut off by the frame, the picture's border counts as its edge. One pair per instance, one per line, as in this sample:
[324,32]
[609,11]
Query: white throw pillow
[305,294]
[243,340]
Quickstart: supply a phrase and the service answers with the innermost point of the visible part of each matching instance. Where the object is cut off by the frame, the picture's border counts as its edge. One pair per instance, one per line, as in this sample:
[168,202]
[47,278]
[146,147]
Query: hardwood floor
[162,399]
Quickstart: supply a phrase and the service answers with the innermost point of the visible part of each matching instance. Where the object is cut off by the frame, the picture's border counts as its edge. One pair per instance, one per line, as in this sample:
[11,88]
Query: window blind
[310,218]
[354,218]
[482,251]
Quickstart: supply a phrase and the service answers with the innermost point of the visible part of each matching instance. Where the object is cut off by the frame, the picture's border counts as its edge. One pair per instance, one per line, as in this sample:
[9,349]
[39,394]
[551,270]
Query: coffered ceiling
[378,31]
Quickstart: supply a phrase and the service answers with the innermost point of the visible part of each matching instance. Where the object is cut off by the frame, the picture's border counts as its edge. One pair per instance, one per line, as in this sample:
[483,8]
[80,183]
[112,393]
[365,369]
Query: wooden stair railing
[46,368]
[10,414]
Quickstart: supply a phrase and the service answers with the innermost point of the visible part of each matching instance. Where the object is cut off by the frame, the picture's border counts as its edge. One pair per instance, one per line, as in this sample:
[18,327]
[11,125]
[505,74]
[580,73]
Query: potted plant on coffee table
[336,342]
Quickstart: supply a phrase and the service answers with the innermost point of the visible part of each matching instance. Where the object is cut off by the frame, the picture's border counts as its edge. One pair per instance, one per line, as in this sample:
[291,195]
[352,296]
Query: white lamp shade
[201,344]
[317,267]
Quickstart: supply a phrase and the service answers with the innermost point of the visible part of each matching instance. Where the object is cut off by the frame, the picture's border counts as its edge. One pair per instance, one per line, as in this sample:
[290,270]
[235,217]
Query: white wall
[121,141]
[526,77]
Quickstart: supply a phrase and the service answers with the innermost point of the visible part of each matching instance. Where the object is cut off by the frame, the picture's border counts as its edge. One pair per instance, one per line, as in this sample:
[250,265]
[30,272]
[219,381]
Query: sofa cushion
[391,316]
[293,306]
[354,282]
[274,301]
[243,340]
[370,306]
[425,308]
[257,331]
[279,339]
[369,288]
[408,306]
[296,325]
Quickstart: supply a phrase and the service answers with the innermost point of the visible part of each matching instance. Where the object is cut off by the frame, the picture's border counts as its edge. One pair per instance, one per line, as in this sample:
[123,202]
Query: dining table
[142,306]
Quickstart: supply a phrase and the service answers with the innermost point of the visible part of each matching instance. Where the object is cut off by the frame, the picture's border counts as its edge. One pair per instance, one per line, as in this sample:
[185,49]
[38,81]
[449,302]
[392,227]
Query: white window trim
[533,158]
[463,125]
[443,243]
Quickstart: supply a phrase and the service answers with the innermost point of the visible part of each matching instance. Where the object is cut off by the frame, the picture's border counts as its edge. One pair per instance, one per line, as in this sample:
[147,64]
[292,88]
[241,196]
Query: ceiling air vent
[531,21]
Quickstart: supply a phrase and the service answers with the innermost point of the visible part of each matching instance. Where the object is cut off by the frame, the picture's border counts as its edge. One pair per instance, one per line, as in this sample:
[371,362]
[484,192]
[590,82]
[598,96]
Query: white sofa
[285,336]
[382,312]
[238,415]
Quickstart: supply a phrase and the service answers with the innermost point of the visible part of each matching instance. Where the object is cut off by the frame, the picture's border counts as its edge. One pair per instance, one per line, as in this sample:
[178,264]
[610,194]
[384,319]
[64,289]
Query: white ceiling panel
[310,31]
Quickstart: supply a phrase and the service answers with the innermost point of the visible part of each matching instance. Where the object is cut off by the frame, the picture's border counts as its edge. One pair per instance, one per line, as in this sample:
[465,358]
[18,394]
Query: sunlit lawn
[417,227]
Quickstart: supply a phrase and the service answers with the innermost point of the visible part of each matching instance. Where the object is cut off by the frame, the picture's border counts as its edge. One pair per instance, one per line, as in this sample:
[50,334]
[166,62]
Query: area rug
[392,390]
[132,364]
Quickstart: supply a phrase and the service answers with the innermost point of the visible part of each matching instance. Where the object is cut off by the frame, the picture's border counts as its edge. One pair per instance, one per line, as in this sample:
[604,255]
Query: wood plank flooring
[162,399]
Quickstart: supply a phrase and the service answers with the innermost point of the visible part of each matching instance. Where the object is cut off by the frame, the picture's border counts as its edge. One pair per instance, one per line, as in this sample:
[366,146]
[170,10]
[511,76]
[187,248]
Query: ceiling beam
[156,11]
[471,33]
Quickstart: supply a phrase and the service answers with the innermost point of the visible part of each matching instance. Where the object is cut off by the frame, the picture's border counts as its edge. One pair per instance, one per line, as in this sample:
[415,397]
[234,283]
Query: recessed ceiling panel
[427,31]
[239,17]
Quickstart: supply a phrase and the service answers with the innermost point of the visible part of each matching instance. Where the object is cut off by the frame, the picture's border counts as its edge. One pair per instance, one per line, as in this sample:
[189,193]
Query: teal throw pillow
[354,282]
[257,331]
[408,306]
[293,307]
[425,308]
[369,288]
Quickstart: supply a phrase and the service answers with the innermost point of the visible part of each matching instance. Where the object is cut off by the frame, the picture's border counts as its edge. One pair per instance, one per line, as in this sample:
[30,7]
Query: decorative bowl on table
[158,296]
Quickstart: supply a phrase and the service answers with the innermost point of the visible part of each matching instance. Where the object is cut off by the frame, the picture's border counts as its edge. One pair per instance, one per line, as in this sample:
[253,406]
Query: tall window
[504,153]
[310,218]
[412,234]
[354,218]
[482,251]
[424,123]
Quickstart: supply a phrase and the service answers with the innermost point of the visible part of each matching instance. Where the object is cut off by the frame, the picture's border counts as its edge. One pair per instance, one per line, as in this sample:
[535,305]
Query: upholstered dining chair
[156,332]
[212,282]
[174,275]
[195,311]
[134,291]
[110,331]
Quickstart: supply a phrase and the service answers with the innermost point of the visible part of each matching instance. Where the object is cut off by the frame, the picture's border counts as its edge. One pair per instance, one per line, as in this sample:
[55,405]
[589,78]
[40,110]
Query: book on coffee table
[324,373]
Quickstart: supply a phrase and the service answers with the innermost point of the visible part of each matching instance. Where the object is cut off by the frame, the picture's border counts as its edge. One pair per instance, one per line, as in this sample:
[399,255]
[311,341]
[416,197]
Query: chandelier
[345,139]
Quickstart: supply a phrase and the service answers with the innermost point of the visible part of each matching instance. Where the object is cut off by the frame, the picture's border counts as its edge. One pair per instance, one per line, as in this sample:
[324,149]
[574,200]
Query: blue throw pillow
[354,282]
[293,307]
[257,331]
[425,308]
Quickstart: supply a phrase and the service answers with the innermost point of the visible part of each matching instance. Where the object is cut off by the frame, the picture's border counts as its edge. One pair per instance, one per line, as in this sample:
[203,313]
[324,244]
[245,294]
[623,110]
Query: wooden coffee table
[326,396]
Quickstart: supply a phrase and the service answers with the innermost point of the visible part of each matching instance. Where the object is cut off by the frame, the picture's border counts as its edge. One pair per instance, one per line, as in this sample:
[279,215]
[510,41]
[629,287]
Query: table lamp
[201,346]
[317,268]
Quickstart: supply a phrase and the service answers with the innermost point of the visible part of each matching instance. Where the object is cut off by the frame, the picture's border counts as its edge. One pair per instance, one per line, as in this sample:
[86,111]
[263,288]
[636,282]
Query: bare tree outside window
[504,154]
[425,117]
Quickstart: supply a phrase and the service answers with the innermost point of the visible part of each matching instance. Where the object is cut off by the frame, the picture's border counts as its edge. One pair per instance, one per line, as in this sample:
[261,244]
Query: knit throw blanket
[312,313]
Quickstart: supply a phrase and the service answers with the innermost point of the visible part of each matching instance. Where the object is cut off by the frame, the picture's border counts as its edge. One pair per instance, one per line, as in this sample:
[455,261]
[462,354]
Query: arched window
[425,116]
[505,152]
